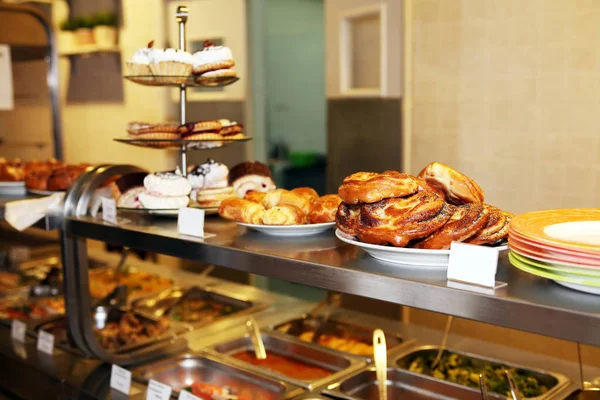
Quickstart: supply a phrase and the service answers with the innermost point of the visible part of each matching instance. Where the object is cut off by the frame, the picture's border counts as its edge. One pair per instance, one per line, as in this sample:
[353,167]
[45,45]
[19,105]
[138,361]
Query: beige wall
[507,91]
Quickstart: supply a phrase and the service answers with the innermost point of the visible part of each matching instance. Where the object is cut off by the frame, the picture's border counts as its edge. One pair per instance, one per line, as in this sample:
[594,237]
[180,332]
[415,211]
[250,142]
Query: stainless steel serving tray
[337,363]
[401,384]
[181,371]
[553,381]
[24,300]
[305,323]
[155,304]
[58,328]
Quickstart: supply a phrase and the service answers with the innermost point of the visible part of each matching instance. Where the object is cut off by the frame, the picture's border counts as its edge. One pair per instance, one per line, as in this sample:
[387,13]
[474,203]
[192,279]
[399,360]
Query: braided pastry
[496,228]
[457,187]
[371,187]
[397,221]
[346,217]
[466,221]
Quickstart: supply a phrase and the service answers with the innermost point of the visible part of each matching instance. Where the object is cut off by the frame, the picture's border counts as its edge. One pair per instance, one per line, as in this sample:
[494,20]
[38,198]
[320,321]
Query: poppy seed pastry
[250,176]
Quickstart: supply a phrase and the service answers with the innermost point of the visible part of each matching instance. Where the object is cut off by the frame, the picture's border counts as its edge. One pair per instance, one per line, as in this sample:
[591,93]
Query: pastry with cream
[165,190]
[251,176]
[209,183]
[170,65]
[139,65]
[212,58]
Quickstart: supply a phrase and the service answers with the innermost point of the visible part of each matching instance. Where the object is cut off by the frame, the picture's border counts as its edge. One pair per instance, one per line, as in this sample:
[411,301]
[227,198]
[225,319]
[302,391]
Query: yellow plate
[577,228]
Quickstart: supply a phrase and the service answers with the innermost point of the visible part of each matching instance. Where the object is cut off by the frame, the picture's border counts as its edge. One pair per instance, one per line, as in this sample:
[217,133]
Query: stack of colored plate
[562,245]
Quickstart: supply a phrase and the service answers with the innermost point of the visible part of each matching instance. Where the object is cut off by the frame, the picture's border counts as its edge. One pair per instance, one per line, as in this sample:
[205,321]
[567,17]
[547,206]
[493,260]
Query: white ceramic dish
[580,288]
[433,259]
[290,230]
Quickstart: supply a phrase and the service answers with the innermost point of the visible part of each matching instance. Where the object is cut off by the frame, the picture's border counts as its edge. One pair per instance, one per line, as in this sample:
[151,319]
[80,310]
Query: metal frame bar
[52,70]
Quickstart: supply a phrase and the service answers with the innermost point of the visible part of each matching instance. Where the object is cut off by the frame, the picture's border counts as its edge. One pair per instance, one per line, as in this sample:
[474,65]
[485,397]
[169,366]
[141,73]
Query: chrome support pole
[182,16]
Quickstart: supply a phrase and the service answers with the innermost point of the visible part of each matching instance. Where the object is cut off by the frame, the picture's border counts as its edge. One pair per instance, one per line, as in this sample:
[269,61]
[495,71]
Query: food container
[209,305]
[298,357]
[401,384]
[552,381]
[58,327]
[181,371]
[305,325]
[102,281]
[29,309]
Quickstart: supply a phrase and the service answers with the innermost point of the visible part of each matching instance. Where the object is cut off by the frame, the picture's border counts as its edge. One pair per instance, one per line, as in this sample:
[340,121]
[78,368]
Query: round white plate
[290,230]
[433,259]
[43,192]
[4,184]
[580,288]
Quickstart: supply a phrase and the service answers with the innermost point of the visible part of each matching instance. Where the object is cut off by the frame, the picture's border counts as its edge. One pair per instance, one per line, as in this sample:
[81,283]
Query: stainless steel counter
[527,303]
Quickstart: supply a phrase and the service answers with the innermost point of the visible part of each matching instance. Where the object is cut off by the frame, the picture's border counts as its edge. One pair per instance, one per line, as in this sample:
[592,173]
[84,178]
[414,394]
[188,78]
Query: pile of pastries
[173,66]
[51,175]
[206,185]
[214,130]
[281,207]
[430,211]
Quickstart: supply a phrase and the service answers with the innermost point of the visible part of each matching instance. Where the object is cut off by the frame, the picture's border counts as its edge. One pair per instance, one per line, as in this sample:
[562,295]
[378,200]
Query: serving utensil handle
[256,338]
[380,357]
[483,387]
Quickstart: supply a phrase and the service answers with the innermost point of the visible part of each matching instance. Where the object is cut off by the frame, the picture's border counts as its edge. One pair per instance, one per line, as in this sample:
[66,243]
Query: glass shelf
[178,143]
[191,81]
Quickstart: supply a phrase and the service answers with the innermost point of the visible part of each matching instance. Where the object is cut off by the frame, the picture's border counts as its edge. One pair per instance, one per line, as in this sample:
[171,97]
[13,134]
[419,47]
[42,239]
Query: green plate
[560,269]
[586,281]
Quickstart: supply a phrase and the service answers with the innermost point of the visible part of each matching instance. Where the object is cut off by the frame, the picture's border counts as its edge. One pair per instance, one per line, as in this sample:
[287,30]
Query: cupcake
[139,65]
[170,65]
[212,58]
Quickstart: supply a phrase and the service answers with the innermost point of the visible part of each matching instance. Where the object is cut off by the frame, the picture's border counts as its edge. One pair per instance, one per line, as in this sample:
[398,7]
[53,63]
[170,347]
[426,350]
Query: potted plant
[105,30]
[83,34]
[66,36]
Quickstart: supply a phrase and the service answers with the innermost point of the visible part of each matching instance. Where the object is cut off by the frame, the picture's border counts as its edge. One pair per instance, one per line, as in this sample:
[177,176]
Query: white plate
[12,188]
[580,288]
[433,259]
[43,192]
[290,230]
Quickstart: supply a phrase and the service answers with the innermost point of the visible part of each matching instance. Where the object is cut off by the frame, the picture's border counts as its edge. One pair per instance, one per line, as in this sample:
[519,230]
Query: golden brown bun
[241,210]
[256,197]
[496,228]
[309,193]
[466,221]
[279,197]
[397,221]
[11,173]
[324,209]
[346,217]
[284,214]
[457,187]
[371,187]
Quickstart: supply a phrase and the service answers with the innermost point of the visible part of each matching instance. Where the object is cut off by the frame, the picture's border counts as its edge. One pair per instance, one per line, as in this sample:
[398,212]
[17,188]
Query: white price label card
[158,391]
[191,222]
[18,330]
[45,342]
[185,395]
[120,379]
[473,264]
[109,210]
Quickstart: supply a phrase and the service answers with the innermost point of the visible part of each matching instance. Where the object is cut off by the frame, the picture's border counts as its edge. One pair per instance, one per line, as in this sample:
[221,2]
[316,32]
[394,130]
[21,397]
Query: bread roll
[284,214]
[241,210]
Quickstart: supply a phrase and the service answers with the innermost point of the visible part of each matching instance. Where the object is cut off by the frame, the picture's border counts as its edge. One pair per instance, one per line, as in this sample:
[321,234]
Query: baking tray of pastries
[399,218]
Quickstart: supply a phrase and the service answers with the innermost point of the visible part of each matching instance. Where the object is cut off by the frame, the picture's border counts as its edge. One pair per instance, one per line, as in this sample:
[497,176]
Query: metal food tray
[338,364]
[58,328]
[553,381]
[334,327]
[155,304]
[401,384]
[131,269]
[180,371]
[25,300]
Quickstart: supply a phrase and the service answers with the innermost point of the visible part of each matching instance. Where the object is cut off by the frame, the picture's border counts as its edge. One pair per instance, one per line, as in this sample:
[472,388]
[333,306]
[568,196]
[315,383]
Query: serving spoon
[483,387]
[444,341]
[380,359]
[256,339]
[514,389]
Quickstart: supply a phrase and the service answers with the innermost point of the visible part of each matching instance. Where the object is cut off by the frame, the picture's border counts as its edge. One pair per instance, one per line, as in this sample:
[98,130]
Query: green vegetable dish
[465,371]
